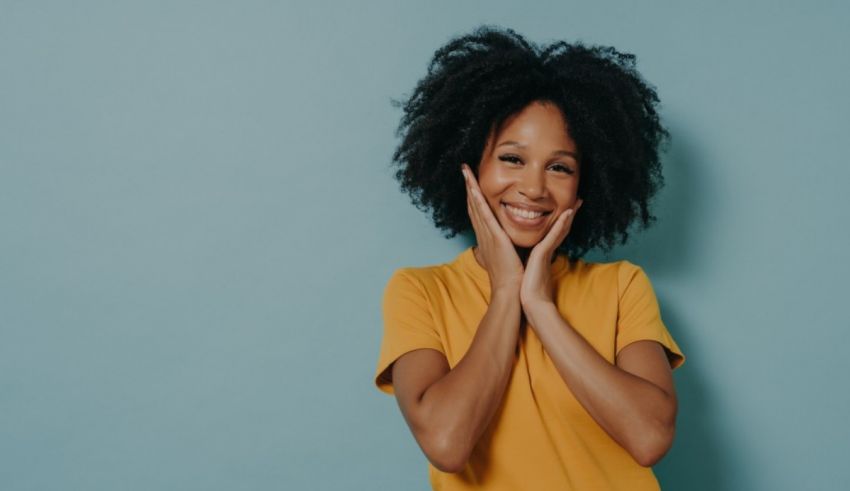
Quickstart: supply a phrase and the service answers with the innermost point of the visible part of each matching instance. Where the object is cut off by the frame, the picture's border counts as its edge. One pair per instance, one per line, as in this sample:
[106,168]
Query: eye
[563,168]
[516,160]
[509,158]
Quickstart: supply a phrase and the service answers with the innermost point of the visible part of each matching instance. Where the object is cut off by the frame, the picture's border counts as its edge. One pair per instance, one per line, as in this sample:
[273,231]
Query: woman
[518,365]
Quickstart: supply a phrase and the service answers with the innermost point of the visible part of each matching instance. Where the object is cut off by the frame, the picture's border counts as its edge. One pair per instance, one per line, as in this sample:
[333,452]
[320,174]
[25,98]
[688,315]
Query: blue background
[198,219]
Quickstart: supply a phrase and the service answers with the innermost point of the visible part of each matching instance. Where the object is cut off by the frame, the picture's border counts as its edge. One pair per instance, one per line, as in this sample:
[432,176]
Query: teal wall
[198,219]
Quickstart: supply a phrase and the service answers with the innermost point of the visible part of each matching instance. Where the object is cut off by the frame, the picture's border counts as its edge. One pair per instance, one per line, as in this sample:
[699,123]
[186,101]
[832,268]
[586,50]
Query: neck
[523,253]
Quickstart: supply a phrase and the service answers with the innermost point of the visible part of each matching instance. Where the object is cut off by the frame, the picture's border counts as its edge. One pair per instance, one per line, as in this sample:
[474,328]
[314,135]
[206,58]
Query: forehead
[537,126]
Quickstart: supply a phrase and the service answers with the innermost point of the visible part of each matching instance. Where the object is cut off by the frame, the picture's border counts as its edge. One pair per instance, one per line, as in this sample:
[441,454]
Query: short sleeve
[408,325]
[639,316]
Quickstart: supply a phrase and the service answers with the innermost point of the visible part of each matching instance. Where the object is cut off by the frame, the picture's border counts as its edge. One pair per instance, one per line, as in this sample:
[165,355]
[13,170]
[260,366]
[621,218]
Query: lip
[522,222]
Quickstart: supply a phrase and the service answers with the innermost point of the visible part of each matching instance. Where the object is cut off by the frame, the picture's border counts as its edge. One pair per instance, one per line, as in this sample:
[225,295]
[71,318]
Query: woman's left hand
[536,285]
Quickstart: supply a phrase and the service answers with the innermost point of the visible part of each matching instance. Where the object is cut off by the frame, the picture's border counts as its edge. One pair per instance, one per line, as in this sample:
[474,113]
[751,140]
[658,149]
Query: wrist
[505,293]
[536,307]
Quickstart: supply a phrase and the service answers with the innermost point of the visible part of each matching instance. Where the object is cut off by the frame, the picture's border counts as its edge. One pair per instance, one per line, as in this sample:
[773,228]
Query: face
[529,172]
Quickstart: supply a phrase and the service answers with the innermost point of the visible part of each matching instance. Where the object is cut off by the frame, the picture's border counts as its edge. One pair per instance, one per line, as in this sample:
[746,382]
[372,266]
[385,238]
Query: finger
[487,215]
[474,217]
[469,206]
[565,227]
[473,181]
[479,206]
[557,232]
[485,212]
[481,232]
[568,224]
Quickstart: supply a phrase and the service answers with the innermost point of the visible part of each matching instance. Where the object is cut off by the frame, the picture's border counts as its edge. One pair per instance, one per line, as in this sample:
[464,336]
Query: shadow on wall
[701,458]
[698,460]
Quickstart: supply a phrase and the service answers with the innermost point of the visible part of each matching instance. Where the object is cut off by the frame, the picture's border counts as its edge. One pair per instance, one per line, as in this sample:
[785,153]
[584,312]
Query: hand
[536,285]
[495,248]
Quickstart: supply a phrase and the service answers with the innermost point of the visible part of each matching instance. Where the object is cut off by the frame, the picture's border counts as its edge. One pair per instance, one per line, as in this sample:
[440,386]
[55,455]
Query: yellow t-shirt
[542,438]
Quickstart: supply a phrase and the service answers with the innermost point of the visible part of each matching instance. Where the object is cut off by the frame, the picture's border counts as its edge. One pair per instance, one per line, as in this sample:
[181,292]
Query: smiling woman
[531,175]
[517,365]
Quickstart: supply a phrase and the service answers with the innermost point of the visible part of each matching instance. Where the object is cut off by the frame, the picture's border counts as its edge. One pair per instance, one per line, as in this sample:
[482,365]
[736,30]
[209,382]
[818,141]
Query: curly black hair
[476,81]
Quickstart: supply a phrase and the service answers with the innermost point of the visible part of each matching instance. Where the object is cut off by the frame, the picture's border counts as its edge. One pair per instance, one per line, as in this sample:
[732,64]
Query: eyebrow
[565,153]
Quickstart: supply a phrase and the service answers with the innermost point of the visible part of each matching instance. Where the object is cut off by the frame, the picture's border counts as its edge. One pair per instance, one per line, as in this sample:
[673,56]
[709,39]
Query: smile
[525,218]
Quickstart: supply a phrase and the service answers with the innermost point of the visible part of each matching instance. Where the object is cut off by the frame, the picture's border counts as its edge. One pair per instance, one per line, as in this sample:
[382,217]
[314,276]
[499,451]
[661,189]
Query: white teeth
[523,213]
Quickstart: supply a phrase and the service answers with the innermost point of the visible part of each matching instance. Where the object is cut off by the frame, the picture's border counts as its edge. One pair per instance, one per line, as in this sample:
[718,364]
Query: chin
[525,241]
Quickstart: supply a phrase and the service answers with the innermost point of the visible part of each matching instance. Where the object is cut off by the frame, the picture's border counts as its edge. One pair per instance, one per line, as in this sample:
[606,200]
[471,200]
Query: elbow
[446,454]
[650,456]
[654,445]
[657,439]
[441,441]
[448,464]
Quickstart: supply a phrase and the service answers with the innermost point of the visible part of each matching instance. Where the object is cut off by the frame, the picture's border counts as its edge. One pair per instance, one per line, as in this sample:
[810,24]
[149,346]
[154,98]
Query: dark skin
[633,400]
[532,165]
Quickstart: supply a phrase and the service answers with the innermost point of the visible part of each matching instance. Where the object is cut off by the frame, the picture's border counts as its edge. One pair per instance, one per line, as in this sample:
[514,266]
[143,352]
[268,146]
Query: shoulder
[632,278]
[429,274]
[418,274]
[423,278]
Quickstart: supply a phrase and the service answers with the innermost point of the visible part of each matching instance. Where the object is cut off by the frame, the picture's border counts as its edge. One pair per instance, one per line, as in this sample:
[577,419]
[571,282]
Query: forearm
[637,414]
[461,404]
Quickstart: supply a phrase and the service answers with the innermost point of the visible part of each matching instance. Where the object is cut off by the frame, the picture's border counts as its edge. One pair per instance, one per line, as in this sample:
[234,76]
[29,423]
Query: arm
[448,410]
[634,401]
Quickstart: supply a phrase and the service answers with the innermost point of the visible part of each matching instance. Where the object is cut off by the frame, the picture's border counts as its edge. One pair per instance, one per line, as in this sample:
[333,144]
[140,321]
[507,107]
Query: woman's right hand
[495,248]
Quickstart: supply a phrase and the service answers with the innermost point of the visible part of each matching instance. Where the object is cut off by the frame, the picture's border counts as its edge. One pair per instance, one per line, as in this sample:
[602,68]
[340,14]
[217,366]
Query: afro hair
[478,80]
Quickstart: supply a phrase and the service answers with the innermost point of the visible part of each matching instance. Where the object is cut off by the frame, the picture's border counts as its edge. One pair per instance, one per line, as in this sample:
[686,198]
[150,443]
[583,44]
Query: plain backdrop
[198,217]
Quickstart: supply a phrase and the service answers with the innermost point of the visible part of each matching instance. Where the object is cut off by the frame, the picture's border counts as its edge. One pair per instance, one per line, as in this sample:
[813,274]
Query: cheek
[568,195]
[492,182]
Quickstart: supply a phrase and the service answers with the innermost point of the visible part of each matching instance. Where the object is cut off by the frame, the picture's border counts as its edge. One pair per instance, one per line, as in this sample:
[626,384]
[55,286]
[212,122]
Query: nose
[532,183]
